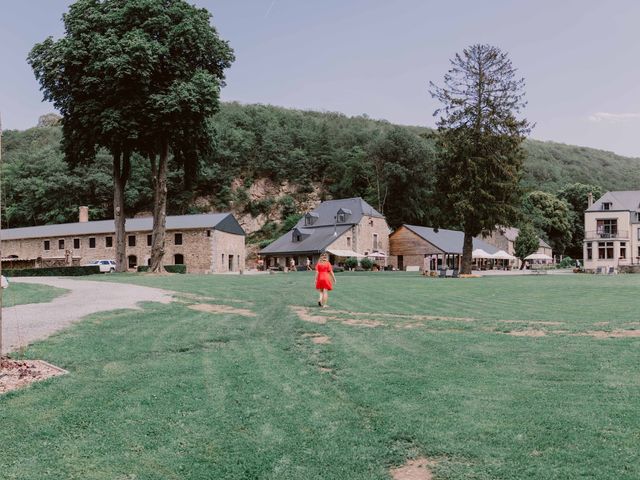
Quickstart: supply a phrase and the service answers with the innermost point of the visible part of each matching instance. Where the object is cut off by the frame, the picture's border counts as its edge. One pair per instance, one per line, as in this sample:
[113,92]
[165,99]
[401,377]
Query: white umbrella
[502,255]
[538,256]
[480,253]
[377,255]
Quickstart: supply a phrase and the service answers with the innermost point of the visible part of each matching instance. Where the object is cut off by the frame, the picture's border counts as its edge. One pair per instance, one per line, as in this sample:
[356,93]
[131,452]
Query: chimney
[589,199]
[84,215]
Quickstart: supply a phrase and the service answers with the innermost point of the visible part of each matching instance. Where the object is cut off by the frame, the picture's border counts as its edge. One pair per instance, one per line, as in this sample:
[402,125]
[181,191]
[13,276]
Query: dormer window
[310,219]
[343,215]
[606,205]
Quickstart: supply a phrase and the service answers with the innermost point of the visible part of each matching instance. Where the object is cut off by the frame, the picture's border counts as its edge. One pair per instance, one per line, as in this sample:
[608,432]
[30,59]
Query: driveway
[23,324]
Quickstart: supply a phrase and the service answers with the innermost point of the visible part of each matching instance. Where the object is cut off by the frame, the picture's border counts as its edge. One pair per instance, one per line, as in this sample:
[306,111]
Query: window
[149,240]
[606,205]
[607,228]
[208,233]
[310,218]
[177,239]
[589,251]
[222,263]
[132,240]
[92,242]
[108,242]
[76,243]
[341,218]
[61,244]
[231,263]
[47,245]
[348,242]
[178,259]
[605,250]
[623,249]
[375,241]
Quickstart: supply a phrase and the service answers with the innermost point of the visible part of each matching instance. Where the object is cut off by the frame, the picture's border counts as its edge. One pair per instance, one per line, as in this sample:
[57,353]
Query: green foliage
[575,195]
[53,271]
[479,137]
[176,268]
[142,268]
[351,262]
[566,262]
[366,263]
[527,241]
[290,222]
[550,216]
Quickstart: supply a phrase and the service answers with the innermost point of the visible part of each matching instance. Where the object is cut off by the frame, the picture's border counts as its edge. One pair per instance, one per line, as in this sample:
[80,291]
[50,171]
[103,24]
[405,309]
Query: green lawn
[21,293]
[174,393]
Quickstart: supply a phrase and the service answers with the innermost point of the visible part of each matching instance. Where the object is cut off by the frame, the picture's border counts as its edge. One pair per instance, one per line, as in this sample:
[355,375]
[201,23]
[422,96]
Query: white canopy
[344,253]
[538,256]
[502,255]
[480,253]
[377,255]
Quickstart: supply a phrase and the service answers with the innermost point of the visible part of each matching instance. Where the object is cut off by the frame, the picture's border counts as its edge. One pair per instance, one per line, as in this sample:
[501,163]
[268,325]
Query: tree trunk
[159,180]
[121,170]
[467,249]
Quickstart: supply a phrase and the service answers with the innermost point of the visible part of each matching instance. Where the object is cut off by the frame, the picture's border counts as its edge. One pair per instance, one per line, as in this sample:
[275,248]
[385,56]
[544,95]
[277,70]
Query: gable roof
[511,233]
[326,212]
[224,222]
[315,242]
[448,241]
[619,200]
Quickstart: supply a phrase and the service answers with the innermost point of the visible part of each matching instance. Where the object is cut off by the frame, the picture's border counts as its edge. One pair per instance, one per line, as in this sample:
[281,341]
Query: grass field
[22,293]
[454,370]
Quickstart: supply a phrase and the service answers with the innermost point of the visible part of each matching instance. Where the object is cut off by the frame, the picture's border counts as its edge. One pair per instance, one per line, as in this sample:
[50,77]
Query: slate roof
[449,241]
[319,235]
[512,233]
[224,222]
[628,200]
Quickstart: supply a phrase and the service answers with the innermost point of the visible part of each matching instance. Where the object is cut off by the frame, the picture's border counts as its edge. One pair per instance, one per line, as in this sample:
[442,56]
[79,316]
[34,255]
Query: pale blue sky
[579,58]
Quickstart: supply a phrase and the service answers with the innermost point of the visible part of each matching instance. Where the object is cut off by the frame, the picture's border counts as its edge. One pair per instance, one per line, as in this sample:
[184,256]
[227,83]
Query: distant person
[292,265]
[3,282]
[308,264]
[325,279]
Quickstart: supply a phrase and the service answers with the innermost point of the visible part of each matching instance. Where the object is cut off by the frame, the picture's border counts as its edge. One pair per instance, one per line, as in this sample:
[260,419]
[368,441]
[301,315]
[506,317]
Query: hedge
[176,268]
[52,271]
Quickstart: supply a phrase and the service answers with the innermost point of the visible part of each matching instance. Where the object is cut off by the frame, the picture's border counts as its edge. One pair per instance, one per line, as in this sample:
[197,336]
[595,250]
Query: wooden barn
[414,247]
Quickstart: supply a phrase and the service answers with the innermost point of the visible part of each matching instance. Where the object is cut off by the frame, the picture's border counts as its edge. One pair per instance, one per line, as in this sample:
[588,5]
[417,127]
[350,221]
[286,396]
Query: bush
[142,268]
[567,262]
[366,263]
[53,271]
[351,262]
[176,268]
[338,269]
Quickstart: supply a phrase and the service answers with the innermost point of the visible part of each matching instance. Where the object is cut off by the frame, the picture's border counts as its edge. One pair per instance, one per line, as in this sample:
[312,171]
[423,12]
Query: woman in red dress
[325,279]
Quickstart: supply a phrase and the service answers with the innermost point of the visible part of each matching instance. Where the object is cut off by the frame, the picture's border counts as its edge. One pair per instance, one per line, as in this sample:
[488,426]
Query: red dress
[324,277]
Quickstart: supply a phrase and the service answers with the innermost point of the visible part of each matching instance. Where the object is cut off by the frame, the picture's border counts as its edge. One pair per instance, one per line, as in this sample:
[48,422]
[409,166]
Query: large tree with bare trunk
[134,76]
[479,144]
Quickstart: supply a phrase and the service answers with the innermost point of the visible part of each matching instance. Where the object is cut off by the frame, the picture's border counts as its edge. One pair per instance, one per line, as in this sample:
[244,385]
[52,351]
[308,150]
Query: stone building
[205,243]
[504,238]
[342,228]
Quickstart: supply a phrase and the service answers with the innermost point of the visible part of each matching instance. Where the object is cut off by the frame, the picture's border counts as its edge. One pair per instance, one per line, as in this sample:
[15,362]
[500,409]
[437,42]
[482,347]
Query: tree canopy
[479,144]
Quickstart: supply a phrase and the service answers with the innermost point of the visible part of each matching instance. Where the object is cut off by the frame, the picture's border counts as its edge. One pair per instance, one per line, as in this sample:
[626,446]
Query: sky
[376,57]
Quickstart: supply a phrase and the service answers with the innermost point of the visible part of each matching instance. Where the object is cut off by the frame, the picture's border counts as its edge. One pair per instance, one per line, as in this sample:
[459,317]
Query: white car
[106,266]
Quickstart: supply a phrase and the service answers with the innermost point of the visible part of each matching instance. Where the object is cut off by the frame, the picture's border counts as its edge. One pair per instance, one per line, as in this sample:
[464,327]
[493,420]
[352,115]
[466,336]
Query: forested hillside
[297,156]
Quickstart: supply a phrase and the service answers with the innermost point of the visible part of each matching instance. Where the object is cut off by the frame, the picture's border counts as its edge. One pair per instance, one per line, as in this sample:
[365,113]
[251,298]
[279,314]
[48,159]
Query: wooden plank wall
[404,242]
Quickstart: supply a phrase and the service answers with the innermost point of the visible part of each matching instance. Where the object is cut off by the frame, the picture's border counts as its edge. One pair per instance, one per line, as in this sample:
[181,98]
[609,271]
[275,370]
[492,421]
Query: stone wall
[227,252]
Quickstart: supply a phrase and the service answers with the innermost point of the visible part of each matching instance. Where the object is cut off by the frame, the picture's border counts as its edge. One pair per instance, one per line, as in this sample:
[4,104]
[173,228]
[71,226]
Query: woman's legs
[321,298]
[325,297]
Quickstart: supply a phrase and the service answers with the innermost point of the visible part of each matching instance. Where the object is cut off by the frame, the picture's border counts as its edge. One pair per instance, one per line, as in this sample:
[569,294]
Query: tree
[575,195]
[527,242]
[134,76]
[479,144]
[550,216]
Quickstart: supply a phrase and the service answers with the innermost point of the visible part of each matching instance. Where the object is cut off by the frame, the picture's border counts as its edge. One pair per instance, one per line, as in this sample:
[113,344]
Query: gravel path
[24,324]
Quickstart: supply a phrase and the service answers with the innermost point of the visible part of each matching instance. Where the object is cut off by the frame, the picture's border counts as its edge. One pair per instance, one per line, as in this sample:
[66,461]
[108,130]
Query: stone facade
[200,249]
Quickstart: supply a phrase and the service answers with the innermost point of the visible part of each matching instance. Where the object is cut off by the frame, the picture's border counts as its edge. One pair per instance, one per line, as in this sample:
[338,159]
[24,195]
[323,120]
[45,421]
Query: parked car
[106,266]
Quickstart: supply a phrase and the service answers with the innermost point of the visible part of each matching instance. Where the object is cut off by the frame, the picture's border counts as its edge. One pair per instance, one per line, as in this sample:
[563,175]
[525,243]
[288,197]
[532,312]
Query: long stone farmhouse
[205,243]
[612,232]
[342,228]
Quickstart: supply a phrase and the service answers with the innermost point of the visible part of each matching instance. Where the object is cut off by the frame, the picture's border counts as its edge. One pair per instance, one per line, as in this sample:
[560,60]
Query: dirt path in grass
[23,324]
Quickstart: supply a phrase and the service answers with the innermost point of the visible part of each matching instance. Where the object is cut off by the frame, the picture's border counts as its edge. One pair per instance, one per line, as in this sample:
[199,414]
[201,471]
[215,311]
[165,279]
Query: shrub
[338,269]
[53,271]
[351,262]
[366,263]
[142,268]
[566,262]
[176,268]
